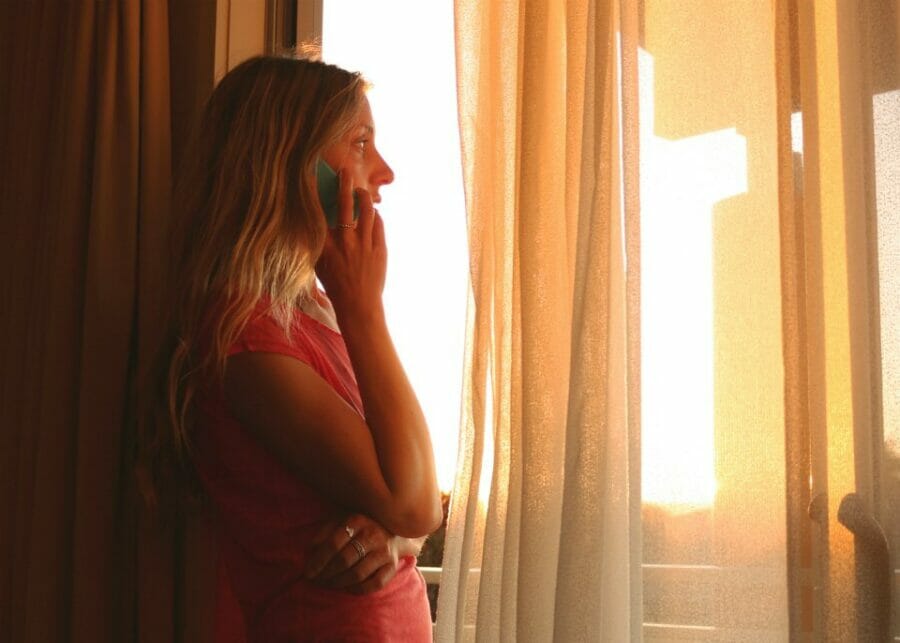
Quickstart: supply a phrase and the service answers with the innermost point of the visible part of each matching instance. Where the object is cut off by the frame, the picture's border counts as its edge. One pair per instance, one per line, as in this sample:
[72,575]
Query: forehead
[364,116]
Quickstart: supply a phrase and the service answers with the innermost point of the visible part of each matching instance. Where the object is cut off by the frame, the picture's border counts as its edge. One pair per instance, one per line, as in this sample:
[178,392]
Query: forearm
[393,414]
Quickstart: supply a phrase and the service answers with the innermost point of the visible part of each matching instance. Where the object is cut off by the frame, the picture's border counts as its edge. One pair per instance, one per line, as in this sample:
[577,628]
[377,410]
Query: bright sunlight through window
[680,182]
[406,51]
[414,103]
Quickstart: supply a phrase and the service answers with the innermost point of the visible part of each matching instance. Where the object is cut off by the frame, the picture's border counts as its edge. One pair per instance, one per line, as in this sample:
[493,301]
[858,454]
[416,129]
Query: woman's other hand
[366,566]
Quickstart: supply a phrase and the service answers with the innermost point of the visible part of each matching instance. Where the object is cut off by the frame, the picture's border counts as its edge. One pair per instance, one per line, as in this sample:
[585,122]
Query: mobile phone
[328,184]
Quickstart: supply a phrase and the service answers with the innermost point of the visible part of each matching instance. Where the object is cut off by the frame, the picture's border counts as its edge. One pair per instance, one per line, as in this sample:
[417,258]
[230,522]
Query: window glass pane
[886,122]
[712,408]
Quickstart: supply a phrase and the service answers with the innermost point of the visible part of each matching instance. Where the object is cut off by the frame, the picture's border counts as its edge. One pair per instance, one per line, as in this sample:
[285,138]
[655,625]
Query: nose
[383,174]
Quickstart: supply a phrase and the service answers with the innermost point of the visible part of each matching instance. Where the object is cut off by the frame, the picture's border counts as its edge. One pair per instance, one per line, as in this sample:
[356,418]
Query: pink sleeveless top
[267,515]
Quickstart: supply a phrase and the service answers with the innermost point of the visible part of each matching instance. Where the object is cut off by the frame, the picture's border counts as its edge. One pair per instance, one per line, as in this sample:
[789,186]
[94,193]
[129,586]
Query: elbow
[420,520]
[435,517]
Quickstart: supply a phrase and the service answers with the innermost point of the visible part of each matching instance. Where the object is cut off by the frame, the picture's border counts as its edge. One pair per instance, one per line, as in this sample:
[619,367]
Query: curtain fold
[595,559]
[544,393]
[85,197]
[681,336]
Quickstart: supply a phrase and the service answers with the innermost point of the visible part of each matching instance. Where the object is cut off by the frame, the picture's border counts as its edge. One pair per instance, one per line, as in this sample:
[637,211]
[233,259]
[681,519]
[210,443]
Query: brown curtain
[86,174]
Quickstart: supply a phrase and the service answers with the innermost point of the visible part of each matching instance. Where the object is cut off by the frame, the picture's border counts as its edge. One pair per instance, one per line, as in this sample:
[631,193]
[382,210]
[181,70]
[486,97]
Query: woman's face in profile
[357,155]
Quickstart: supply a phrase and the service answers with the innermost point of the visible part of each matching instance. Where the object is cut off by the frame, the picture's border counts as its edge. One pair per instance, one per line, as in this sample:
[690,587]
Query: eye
[361,143]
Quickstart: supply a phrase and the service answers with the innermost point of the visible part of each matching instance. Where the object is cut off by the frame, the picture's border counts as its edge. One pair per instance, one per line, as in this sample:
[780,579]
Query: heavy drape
[681,343]
[86,145]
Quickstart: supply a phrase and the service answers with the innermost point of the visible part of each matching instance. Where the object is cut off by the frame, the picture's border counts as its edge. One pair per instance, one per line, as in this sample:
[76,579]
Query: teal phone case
[328,184]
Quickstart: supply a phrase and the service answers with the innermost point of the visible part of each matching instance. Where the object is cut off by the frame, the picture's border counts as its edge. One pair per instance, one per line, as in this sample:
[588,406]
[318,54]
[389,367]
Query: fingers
[366,213]
[345,201]
[369,574]
[377,231]
[347,558]
[376,581]
[337,563]
[329,545]
[334,550]
[359,573]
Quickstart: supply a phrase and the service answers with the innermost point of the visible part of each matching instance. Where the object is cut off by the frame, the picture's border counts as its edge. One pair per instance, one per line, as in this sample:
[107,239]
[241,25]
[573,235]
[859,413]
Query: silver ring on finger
[346,225]
[360,550]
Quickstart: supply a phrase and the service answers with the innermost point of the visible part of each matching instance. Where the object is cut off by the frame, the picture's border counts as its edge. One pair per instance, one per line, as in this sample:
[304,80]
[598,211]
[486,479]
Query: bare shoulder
[261,388]
[303,422]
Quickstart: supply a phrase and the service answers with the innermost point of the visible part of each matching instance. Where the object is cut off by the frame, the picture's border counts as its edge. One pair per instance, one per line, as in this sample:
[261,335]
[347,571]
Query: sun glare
[680,183]
[413,98]
[886,120]
[414,103]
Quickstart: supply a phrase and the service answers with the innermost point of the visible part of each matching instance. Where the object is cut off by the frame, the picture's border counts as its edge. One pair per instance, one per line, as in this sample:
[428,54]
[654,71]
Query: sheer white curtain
[681,341]
[546,548]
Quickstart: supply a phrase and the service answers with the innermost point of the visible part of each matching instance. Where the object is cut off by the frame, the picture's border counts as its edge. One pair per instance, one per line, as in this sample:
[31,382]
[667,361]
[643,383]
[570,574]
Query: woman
[290,402]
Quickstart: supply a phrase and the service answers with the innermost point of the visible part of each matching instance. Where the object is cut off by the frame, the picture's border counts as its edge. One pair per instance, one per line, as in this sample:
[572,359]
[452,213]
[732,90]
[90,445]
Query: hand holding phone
[353,262]
[328,185]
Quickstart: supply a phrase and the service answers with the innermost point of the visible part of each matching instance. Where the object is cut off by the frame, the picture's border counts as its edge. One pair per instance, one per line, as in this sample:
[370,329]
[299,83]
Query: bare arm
[382,466]
[393,414]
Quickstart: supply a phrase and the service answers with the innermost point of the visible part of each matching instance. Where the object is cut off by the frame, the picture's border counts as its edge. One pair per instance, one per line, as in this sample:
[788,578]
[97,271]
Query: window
[413,100]
[729,550]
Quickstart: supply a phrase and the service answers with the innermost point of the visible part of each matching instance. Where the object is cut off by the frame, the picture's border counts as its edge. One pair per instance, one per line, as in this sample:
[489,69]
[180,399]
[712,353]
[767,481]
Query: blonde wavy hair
[247,224]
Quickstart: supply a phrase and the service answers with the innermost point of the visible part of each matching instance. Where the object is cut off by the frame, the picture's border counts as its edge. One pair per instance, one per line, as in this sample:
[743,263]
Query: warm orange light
[680,183]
